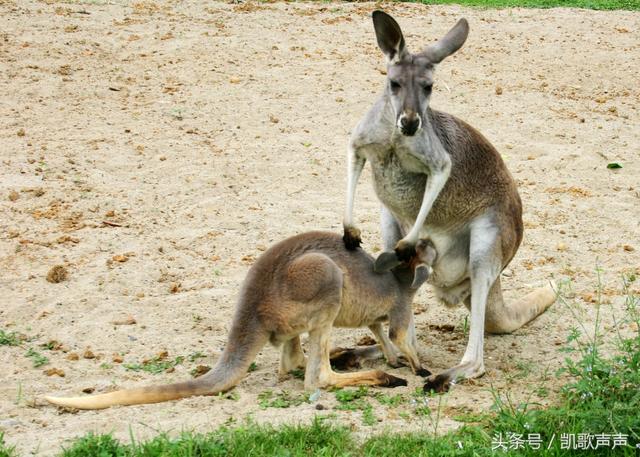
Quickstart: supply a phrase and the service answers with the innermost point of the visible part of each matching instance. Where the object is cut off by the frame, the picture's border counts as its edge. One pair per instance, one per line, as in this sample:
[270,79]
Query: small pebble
[57,273]
[54,372]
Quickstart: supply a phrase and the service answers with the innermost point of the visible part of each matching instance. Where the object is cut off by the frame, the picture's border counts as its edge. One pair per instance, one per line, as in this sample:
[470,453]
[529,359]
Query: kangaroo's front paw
[351,238]
[405,250]
[423,372]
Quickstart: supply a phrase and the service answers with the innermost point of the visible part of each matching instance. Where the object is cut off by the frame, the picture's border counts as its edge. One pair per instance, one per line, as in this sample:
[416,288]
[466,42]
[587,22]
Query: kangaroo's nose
[409,125]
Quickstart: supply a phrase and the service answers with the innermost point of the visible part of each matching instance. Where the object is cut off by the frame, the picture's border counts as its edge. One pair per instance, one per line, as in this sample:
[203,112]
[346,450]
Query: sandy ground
[155,150]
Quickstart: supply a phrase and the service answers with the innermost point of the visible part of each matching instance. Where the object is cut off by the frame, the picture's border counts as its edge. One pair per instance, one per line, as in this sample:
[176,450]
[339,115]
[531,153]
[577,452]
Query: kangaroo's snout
[409,124]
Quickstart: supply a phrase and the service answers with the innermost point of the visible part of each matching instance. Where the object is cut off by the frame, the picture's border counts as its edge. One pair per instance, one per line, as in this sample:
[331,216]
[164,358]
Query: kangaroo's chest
[399,181]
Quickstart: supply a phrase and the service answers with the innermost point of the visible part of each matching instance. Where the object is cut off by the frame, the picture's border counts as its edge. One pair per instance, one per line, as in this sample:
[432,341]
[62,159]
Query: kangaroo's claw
[437,383]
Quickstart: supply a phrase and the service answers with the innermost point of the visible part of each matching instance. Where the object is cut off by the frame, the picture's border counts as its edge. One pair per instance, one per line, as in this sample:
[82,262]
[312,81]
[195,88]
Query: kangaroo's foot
[442,382]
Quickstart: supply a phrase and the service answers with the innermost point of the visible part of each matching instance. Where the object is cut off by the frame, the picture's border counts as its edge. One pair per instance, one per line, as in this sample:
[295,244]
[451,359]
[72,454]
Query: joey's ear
[448,44]
[420,275]
[386,261]
[389,36]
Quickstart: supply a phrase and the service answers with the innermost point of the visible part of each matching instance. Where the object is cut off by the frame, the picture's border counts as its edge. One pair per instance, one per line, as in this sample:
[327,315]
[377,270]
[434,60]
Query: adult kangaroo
[438,177]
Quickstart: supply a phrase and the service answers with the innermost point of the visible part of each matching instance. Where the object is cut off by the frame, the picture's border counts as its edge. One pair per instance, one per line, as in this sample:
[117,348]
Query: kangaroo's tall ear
[386,261]
[389,36]
[420,275]
[448,44]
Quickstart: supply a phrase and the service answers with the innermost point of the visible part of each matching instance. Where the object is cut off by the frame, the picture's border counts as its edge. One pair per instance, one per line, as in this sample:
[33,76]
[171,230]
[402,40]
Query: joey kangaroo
[306,283]
[438,177]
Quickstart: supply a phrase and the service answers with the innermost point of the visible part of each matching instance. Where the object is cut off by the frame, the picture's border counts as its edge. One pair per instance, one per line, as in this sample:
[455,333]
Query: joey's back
[277,284]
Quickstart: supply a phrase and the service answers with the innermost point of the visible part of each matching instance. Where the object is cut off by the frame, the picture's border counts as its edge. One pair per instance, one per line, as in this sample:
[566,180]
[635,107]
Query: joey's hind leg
[320,375]
[292,357]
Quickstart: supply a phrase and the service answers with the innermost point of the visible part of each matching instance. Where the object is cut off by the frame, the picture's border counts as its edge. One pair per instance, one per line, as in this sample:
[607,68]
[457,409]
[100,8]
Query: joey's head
[410,76]
[415,271]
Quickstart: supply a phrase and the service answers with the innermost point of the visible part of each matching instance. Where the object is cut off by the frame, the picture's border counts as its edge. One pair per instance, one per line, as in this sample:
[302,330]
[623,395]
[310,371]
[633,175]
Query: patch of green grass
[6,450]
[466,441]
[316,439]
[354,400]
[282,399]
[524,367]
[348,396]
[602,398]
[587,4]
[37,358]
[471,418]
[155,365]
[368,417]
[390,400]
[298,373]
[9,338]
[196,356]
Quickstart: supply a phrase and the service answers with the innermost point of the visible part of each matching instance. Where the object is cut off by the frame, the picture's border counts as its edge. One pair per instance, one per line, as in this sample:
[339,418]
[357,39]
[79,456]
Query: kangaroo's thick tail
[508,318]
[242,347]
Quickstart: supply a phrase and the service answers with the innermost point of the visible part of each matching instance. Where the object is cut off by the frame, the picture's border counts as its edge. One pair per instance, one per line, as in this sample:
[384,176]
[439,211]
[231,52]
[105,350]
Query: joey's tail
[242,347]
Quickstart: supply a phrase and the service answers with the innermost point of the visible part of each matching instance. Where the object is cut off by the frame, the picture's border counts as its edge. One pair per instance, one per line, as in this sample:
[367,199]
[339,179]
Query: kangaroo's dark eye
[427,88]
[395,85]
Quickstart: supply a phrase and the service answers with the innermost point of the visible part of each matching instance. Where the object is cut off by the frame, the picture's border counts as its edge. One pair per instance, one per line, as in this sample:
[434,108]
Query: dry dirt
[153,150]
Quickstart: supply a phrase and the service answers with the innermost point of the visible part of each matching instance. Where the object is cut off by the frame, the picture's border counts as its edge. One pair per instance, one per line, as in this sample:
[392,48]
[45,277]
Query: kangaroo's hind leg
[485,263]
[315,284]
[292,357]
[320,374]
